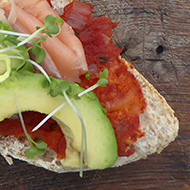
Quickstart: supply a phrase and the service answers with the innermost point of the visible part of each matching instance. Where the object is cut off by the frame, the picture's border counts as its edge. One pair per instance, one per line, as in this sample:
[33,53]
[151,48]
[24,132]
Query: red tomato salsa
[50,132]
[122,98]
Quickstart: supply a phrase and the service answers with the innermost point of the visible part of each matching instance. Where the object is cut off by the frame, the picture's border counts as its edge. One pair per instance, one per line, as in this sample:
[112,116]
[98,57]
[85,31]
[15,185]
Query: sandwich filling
[122,98]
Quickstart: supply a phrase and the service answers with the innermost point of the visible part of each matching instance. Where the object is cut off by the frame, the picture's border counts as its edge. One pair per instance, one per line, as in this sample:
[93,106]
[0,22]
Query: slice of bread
[158,122]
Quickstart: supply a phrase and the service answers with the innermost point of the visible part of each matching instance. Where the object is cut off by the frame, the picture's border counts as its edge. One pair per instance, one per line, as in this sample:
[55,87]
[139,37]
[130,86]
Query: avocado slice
[31,96]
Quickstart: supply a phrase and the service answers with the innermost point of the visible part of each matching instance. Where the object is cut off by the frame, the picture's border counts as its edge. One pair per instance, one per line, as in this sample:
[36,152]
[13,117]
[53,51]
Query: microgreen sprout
[39,53]
[102,82]
[63,88]
[52,26]
[83,142]
[55,90]
[49,116]
[14,42]
[87,75]
[104,74]
[36,148]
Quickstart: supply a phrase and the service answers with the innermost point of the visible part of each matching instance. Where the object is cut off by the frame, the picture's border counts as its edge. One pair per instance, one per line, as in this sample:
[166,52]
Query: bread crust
[157,121]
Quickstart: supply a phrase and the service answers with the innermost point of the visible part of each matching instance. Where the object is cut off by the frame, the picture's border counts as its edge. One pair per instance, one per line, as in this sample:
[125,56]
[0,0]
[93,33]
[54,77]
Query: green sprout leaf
[4,26]
[11,40]
[34,151]
[24,56]
[39,52]
[49,20]
[64,85]
[41,145]
[103,82]
[36,148]
[52,25]
[45,83]
[59,21]
[56,88]
[55,91]
[53,29]
[104,74]
[87,75]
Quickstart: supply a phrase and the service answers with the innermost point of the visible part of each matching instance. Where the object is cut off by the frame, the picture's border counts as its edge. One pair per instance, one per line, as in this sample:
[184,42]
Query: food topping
[50,132]
[123,98]
[65,55]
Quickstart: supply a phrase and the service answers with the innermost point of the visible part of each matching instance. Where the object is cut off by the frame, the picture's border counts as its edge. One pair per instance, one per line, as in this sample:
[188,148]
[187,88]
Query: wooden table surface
[155,37]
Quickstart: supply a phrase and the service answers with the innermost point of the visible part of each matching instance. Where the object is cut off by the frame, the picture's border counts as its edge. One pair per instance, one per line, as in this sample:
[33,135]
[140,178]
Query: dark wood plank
[155,36]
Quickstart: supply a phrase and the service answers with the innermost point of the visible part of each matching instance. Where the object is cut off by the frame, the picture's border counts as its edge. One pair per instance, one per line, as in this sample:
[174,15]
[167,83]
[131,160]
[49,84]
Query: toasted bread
[158,122]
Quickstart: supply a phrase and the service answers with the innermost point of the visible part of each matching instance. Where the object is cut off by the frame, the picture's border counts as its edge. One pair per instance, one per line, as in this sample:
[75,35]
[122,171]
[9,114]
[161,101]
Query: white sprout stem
[49,116]
[8,49]
[21,38]
[30,37]
[14,33]
[40,68]
[83,133]
[24,35]
[22,120]
[88,90]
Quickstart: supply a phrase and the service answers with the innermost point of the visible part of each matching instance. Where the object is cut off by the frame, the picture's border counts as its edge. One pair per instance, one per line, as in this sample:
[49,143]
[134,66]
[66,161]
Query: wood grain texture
[155,37]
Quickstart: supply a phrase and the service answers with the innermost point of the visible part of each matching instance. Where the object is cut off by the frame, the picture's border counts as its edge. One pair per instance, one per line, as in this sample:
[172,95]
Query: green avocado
[31,96]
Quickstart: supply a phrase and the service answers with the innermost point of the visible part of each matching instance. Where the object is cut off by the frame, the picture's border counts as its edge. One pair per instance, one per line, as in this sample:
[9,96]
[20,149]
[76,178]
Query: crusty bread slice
[13,147]
[158,122]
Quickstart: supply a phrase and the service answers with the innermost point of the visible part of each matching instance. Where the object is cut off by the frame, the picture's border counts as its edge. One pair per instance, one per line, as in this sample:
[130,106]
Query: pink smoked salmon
[65,50]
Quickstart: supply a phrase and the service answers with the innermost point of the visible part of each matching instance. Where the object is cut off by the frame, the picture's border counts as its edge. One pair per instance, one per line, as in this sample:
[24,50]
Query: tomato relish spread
[50,132]
[122,98]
